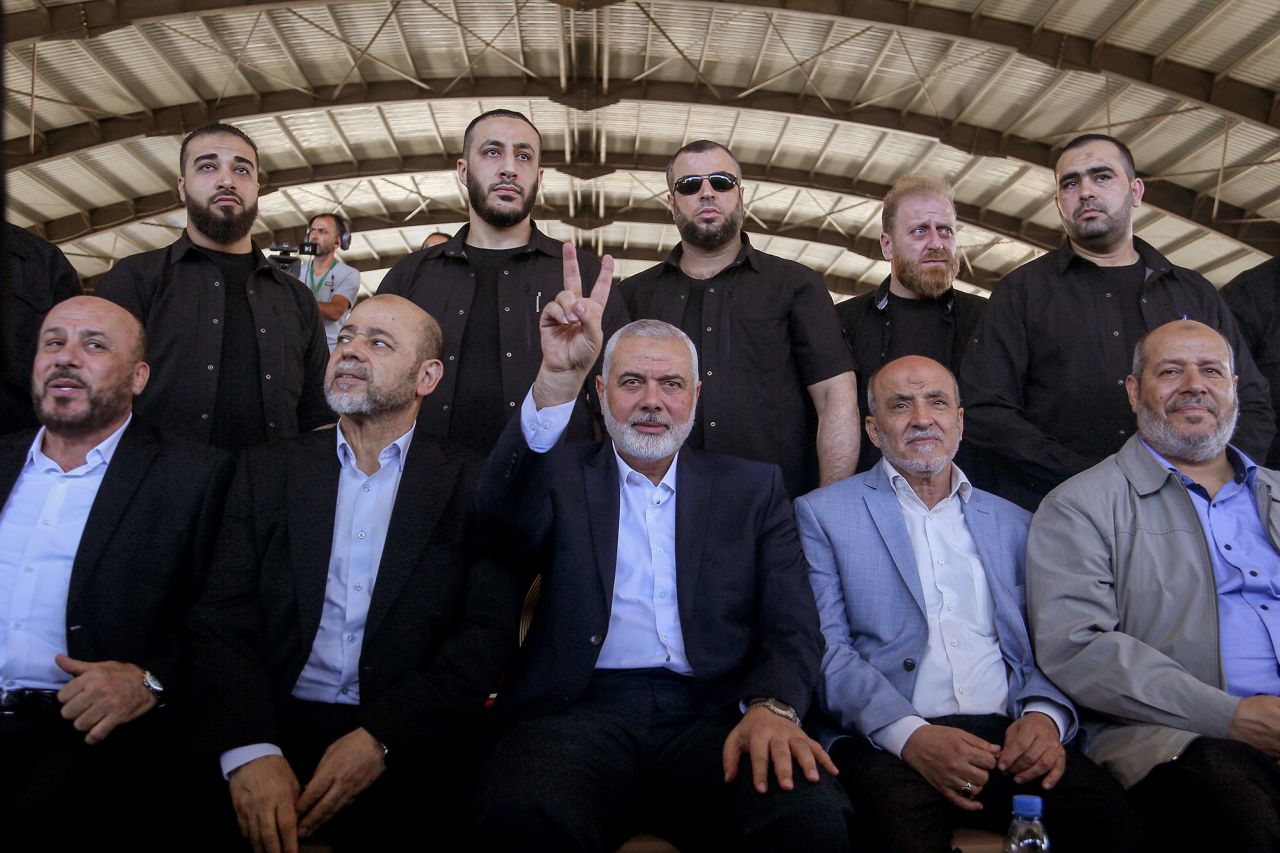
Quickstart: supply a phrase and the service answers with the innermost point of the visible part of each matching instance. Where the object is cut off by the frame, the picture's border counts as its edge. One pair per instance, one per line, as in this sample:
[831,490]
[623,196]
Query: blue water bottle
[1026,832]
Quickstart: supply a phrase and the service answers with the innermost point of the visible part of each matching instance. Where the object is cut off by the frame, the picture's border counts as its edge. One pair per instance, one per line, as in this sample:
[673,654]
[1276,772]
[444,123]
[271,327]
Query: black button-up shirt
[179,295]
[1043,381]
[868,327]
[442,282]
[1254,297]
[766,332]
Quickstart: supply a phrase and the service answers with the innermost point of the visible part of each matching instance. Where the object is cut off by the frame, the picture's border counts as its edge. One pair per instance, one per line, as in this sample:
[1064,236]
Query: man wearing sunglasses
[488,284]
[765,329]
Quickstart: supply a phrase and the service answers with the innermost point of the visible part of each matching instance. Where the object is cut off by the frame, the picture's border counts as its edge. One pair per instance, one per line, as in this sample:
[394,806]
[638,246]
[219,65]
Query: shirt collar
[881,299]
[1154,262]
[959,484]
[393,452]
[101,453]
[456,247]
[747,255]
[1244,470]
[182,247]
[668,479]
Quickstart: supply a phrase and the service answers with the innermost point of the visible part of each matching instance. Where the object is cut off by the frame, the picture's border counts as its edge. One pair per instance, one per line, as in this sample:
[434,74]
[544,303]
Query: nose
[920,415]
[652,399]
[706,191]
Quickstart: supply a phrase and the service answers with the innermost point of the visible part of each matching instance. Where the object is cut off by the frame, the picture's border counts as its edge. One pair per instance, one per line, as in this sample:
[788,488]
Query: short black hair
[1130,169]
[211,130]
[697,147]
[469,132]
[338,221]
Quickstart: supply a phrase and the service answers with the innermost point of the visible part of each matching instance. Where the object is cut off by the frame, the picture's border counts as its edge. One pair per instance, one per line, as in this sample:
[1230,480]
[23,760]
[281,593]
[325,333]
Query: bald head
[386,359]
[88,366]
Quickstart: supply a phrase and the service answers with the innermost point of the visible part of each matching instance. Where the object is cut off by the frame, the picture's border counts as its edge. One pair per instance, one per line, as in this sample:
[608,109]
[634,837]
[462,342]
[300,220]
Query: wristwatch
[782,709]
[153,684]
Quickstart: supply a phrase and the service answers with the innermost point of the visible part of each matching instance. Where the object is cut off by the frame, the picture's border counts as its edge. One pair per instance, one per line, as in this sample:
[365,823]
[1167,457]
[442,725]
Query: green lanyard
[311,272]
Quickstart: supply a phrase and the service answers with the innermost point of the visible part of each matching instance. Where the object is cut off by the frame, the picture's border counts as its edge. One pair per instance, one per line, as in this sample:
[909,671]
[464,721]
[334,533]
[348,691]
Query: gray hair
[653,330]
[1140,353]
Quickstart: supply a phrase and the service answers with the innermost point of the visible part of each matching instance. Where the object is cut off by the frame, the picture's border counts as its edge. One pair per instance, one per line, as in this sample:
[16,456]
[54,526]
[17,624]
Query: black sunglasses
[721,182]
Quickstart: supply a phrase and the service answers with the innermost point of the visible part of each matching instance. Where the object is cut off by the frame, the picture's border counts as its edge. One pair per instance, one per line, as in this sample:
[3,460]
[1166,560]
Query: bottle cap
[1027,805]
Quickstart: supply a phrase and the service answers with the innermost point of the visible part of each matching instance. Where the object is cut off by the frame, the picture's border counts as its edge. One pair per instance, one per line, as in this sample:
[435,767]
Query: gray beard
[649,448]
[1175,446]
[374,400]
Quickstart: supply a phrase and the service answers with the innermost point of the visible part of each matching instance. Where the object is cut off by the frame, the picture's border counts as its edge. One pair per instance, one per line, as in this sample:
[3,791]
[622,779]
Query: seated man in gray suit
[1152,579]
[940,712]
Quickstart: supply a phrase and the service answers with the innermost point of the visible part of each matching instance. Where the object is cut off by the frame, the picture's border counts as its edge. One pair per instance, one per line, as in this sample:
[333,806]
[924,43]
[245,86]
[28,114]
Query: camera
[284,256]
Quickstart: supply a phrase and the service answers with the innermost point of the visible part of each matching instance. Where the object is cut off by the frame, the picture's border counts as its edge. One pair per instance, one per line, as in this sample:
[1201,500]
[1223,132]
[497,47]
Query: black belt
[14,702]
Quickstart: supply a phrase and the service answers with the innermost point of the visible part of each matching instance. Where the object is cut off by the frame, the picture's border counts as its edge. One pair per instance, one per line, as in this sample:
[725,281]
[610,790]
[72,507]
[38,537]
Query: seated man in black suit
[350,629]
[104,533]
[675,630]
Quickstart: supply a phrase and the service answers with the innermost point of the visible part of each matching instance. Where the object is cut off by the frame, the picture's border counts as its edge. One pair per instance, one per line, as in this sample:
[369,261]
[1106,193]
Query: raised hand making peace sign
[572,333]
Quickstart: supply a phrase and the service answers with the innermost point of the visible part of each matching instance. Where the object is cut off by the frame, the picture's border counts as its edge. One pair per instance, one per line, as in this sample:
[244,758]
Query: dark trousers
[424,795]
[632,754]
[1218,795]
[58,792]
[1085,811]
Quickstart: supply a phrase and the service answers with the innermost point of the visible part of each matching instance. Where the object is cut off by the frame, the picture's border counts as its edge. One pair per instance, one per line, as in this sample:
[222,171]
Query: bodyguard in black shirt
[777,380]
[1254,298]
[487,285]
[916,311]
[1043,381]
[236,346]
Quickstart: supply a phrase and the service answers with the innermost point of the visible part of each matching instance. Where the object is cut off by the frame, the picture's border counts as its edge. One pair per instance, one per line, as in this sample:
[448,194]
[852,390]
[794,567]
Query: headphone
[344,234]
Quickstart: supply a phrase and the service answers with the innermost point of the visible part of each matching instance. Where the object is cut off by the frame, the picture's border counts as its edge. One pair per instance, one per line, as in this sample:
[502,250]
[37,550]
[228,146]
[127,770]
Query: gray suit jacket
[864,576]
[1124,608]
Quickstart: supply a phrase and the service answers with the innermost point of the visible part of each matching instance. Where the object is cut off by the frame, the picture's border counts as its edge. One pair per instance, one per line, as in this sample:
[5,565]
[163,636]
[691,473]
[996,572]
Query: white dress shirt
[361,519]
[40,529]
[962,670]
[644,616]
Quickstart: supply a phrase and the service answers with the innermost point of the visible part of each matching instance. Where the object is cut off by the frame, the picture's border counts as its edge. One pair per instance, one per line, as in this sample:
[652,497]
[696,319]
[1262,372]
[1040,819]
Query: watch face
[152,683]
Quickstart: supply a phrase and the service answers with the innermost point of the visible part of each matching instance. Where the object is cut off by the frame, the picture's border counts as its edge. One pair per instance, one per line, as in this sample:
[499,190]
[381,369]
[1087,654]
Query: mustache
[922,432]
[1089,205]
[352,368]
[228,194]
[936,255]
[1198,400]
[650,418]
[506,185]
[62,373]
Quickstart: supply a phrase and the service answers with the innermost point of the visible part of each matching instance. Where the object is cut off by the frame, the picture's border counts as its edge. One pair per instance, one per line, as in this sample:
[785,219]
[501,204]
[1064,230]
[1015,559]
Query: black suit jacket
[747,613]
[144,549]
[441,624]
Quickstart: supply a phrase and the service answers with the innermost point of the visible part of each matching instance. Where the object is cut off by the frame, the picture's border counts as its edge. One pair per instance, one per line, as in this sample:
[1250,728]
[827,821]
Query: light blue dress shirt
[1246,572]
[40,529]
[644,616]
[332,671]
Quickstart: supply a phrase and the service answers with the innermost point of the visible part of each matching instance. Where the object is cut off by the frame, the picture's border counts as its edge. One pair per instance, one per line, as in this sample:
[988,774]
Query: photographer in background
[333,283]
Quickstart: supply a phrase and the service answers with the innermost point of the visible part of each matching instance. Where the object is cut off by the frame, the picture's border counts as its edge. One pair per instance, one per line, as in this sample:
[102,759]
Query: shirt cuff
[893,737]
[233,759]
[1053,711]
[542,429]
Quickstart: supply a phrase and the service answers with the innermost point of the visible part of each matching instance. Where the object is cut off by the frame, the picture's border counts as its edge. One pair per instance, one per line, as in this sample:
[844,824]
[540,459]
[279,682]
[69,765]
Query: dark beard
[925,282]
[224,229]
[105,406]
[709,238]
[494,217]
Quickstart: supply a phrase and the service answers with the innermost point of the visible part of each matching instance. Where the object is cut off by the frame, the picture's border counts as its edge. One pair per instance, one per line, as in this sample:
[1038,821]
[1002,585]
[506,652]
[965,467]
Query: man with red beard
[105,529]
[916,310]
[778,383]
[488,284]
[1043,380]
[237,345]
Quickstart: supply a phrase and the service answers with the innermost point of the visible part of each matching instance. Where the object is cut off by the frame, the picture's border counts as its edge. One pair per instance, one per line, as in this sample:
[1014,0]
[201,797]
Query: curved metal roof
[360,106]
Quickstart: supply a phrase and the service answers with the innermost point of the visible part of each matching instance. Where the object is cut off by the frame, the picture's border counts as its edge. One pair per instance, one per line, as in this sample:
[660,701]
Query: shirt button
[546,424]
[909,664]
[711,289]
[268,375]
[708,328]
[1115,334]
[462,311]
[713,423]
[17,626]
[204,416]
[948,605]
[445,407]
[360,535]
[1119,381]
[708,372]
[1265,607]
[1121,432]
[272,425]
[507,309]
[215,321]
[262,331]
[47,522]
[960,690]
[665,637]
[508,355]
[662,595]
[506,272]
[512,404]
[252,291]
[1108,295]
[28,569]
[359,587]
[660,552]
[1228,547]
[344,691]
[351,638]
[1252,573]
[953,644]
[217,284]
[596,639]
[209,367]
[942,562]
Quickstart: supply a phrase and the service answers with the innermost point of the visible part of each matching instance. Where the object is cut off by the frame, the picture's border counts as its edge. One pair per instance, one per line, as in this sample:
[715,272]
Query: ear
[1138,188]
[1131,388]
[886,246]
[429,375]
[697,392]
[600,387]
[462,171]
[141,373]
[873,429]
[182,189]
[671,204]
[960,425]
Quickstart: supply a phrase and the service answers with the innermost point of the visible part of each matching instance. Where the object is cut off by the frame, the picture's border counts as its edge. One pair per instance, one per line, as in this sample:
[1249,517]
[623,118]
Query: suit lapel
[426,485]
[693,498]
[129,464]
[312,490]
[882,503]
[984,527]
[600,480]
